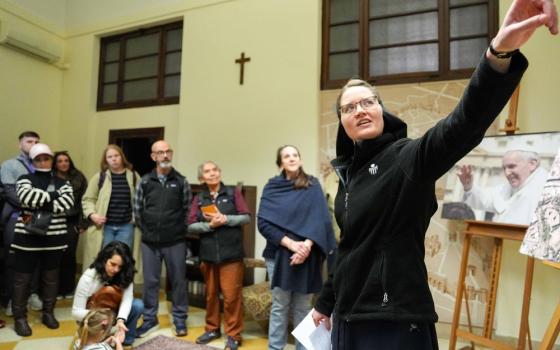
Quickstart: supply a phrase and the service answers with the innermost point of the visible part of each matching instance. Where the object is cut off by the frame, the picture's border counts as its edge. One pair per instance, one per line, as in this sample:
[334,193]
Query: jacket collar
[172,174]
[347,151]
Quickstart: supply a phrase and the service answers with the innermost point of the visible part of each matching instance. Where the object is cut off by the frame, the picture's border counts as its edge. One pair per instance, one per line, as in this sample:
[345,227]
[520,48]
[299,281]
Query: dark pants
[67,278]
[383,335]
[174,257]
[10,262]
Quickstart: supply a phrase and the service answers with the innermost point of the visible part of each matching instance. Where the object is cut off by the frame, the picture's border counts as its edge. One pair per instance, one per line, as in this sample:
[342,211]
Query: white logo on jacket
[373,169]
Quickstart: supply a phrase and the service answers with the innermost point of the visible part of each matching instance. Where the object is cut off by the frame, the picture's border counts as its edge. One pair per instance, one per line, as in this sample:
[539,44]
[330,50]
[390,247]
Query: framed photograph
[501,180]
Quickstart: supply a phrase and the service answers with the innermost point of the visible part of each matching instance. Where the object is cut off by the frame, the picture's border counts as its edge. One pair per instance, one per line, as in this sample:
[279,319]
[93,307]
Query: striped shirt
[32,193]
[119,211]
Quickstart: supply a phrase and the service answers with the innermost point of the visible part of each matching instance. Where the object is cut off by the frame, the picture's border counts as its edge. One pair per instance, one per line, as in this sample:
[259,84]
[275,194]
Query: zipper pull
[385,299]
[346,201]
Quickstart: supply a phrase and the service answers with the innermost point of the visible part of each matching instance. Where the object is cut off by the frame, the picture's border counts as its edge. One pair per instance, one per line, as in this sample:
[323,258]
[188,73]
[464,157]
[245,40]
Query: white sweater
[91,282]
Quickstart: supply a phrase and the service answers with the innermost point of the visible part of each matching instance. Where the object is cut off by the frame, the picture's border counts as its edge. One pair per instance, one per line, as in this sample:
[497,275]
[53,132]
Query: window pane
[142,45]
[173,63]
[344,37]
[343,66]
[174,39]
[111,72]
[344,10]
[142,67]
[406,59]
[389,7]
[112,51]
[468,21]
[462,2]
[403,29]
[172,86]
[466,53]
[140,90]
[109,93]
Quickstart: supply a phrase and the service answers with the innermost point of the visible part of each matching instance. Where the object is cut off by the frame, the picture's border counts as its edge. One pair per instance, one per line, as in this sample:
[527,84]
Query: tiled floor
[254,336]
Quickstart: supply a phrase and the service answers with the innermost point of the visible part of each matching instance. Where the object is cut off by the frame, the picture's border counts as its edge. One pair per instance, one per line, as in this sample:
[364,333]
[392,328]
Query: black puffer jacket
[386,198]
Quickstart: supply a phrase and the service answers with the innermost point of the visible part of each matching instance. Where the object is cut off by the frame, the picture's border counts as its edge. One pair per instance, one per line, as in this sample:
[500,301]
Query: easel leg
[494,279]
[552,331]
[524,326]
[459,296]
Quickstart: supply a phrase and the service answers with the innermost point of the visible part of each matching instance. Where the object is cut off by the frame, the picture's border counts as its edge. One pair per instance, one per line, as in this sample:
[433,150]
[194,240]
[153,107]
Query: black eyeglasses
[161,153]
[366,103]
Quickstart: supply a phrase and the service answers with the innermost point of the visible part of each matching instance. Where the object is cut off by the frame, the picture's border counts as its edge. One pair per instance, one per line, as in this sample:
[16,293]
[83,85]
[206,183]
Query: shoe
[59,297]
[208,336]
[181,332]
[69,296]
[49,320]
[232,344]
[9,311]
[22,327]
[35,302]
[146,328]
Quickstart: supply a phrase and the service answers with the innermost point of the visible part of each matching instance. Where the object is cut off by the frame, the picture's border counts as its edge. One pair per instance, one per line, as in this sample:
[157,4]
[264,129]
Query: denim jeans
[284,301]
[122,232]
[135,312]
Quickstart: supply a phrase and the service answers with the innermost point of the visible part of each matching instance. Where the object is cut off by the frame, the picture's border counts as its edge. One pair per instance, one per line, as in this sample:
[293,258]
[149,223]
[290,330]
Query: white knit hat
[38,149]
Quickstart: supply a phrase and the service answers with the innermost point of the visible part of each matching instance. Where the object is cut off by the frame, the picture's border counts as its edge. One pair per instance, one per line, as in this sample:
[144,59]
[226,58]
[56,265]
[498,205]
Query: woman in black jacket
[218,214]
[65,169]
[378,290]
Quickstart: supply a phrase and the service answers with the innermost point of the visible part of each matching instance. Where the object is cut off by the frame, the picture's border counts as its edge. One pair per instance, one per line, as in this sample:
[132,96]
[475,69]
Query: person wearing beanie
[40,192]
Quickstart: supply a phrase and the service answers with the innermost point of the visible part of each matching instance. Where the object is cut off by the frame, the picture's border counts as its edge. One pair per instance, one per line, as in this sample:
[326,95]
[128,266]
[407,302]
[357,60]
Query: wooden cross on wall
[242,60]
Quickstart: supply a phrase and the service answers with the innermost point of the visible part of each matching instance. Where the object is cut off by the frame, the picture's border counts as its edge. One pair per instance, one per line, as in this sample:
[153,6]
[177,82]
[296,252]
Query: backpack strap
[102,176]
[25,165]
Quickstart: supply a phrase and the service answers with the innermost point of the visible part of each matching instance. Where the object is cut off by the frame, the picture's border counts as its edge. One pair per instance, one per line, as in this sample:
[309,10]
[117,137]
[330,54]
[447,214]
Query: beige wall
[30,91]
[238,126]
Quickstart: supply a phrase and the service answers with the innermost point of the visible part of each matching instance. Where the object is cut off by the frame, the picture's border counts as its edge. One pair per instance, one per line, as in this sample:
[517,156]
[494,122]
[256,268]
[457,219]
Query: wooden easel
[554,326]
[499,232]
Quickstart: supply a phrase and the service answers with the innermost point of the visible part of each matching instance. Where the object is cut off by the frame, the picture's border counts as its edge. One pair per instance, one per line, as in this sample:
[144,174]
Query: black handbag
[38,222]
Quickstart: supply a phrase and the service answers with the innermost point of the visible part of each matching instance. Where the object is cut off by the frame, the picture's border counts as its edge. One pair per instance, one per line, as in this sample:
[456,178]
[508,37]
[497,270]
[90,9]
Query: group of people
[293,217]
[376,294]
[49,203]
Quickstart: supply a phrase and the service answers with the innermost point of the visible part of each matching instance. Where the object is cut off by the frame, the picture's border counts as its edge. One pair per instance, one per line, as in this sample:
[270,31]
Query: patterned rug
[161,342]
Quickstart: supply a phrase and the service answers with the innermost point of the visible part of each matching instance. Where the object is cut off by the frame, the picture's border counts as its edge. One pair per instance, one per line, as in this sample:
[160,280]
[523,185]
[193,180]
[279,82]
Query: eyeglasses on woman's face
[365,103]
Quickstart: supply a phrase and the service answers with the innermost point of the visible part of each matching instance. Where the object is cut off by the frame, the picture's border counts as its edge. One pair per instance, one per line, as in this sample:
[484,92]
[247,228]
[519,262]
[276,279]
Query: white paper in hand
[313,338]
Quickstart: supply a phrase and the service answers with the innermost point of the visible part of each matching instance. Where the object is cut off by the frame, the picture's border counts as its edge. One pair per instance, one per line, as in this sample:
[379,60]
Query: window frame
[120,82]
[443,40]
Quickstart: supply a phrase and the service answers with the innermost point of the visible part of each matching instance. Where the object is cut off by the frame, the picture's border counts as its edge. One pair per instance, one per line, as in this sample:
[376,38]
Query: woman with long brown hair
[64,168]
[108,203]
[294,218]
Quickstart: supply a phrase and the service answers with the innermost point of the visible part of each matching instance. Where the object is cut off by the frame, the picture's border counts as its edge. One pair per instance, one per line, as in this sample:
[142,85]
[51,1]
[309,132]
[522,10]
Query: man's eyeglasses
[366,103]
[161,153]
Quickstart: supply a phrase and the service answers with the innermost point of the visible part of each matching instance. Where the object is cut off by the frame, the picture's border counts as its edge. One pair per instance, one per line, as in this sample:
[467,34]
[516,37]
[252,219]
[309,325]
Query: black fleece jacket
[386,198]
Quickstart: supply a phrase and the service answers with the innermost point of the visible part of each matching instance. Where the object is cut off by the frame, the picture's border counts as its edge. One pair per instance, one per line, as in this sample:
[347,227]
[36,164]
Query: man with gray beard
[161,206]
